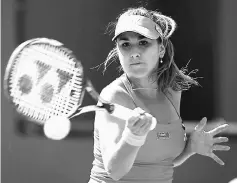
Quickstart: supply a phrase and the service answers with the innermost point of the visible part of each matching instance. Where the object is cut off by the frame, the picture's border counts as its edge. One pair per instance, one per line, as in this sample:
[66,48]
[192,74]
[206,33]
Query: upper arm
[110,128]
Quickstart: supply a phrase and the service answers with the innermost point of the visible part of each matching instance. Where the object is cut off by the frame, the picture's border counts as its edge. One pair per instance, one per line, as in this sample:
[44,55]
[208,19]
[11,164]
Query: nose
[135,55]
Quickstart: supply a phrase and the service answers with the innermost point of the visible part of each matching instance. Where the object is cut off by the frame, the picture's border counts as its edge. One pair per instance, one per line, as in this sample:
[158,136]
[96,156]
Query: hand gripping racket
[46,83]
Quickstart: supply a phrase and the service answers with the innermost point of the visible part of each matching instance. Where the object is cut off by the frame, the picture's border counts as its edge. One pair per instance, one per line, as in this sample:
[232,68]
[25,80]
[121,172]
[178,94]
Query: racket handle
[125,113]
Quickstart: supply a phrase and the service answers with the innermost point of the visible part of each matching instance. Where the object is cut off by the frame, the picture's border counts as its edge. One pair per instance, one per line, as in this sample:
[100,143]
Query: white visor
[138,24]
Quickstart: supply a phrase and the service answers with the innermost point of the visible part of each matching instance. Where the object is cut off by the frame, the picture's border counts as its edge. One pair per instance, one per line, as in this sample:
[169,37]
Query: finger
[142,121]
[219,129]
[220,148]
[216,159]
[133,119]
[201,125]
[146,126]
[148,115]
[139,111]
[147,120]
[140,127]
[139,123]
[153,121]
[220,140]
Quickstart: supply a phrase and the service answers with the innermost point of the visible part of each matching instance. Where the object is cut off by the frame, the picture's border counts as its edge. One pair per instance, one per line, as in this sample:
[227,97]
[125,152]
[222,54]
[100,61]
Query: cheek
[123,59]
[153,57]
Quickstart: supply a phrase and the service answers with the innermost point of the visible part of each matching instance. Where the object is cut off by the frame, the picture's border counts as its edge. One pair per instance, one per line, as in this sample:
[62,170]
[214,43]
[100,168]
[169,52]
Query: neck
[146,87]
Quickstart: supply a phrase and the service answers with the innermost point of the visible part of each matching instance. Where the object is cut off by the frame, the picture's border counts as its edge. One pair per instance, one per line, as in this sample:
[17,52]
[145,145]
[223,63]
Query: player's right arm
[118,156]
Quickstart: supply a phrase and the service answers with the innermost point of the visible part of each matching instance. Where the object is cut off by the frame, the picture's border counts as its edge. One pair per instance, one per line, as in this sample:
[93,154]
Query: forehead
[130,35]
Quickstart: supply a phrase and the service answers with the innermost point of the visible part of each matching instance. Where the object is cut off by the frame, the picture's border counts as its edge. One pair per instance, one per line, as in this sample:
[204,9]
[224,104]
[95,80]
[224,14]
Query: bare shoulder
[175,96]
[115,92]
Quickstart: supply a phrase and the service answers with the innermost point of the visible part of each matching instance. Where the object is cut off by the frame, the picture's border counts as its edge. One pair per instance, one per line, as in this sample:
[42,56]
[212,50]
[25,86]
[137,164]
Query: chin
[137,74]
[139,71]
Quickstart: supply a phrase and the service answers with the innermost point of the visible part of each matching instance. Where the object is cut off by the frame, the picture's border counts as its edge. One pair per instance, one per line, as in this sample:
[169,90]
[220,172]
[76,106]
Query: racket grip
[125,113]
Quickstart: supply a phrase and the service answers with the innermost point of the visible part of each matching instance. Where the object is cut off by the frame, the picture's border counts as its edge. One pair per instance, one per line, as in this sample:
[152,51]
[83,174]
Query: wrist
[190,147]
[132,139]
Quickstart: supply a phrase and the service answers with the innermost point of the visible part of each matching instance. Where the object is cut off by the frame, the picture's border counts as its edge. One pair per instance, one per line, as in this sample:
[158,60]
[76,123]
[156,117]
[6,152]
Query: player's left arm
[200,141]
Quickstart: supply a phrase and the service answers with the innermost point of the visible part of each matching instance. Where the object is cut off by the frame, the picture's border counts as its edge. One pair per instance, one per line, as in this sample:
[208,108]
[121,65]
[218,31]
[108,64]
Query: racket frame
[86,86]
[17,52]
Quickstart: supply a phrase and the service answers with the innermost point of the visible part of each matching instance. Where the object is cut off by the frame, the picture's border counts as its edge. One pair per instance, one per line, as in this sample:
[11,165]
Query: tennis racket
[46,83]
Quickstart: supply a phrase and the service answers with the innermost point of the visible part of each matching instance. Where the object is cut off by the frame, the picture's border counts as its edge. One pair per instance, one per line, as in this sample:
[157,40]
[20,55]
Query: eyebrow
[124,38]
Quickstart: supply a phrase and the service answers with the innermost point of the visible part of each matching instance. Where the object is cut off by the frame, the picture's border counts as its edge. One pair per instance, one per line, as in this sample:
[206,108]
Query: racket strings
[42,69]
[50,85]
[25,84]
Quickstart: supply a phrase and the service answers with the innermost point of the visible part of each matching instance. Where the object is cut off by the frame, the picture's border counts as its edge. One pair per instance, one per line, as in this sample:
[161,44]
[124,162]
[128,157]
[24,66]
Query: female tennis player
[151,85]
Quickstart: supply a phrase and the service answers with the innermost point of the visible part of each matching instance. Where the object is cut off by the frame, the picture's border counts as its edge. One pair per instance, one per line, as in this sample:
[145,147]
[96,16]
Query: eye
[143,42]
[125,44]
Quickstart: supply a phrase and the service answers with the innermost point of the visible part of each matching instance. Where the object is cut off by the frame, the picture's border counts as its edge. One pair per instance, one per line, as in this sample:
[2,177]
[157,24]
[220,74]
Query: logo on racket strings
[47,89]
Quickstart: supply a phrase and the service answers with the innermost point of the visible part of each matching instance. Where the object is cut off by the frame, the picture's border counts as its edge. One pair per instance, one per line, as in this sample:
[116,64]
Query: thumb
[134,117]
[201,125]
[139,111]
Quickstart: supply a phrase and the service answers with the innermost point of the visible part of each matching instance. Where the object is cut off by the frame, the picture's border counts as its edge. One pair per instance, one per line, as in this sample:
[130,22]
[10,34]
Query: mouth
[137,63]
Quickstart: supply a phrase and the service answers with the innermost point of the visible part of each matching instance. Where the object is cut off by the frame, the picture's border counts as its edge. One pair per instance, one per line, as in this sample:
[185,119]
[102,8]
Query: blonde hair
[168,74]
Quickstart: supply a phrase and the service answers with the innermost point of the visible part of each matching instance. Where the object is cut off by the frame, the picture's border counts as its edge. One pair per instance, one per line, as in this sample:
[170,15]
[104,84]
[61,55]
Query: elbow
[116,173]
[175,164]
[114,176]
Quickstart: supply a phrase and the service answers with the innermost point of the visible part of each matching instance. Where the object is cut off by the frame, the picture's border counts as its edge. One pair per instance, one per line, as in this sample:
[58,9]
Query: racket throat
[102,103]
[91,108]
[107,106]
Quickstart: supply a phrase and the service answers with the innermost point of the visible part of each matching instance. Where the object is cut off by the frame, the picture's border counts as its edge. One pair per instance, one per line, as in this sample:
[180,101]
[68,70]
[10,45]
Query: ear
[162,51]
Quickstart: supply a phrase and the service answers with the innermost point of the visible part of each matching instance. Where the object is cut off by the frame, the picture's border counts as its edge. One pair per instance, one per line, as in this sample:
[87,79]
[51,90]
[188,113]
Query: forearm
[118,160]
[187,153]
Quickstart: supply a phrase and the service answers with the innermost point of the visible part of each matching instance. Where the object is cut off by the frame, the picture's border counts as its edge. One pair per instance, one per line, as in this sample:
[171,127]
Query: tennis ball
[57,127]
